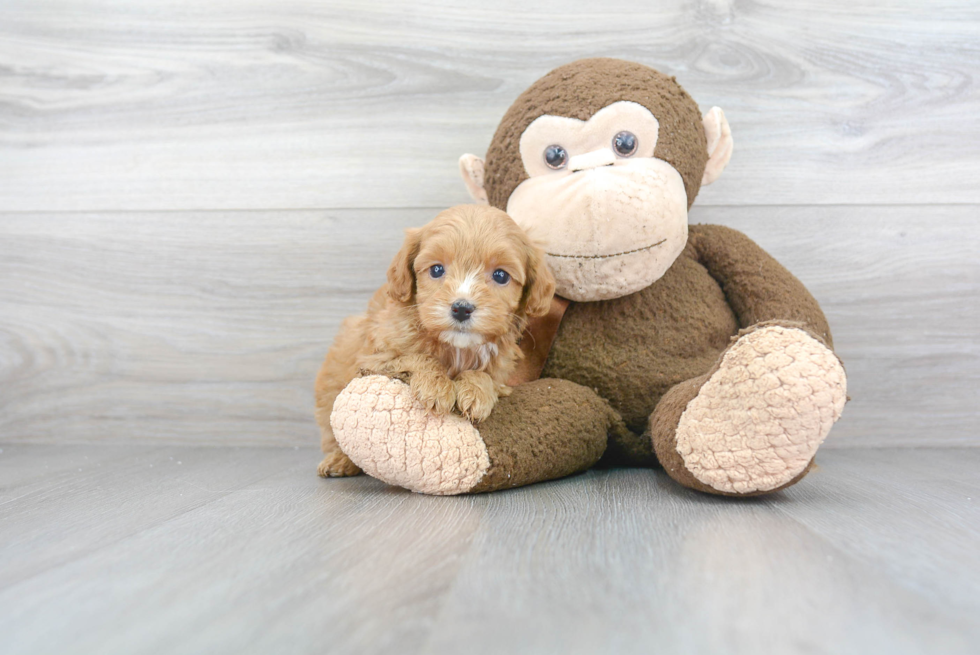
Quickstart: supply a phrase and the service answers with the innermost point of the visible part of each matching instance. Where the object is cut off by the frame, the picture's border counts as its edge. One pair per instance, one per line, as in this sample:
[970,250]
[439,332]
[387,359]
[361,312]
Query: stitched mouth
[618,254]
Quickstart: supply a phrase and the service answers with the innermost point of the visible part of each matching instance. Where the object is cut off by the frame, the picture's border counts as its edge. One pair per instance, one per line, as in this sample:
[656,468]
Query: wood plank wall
[193,195]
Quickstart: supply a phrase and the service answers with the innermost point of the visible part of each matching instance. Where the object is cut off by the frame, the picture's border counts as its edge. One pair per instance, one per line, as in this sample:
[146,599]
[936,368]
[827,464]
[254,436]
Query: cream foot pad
[386,432]
[759,419]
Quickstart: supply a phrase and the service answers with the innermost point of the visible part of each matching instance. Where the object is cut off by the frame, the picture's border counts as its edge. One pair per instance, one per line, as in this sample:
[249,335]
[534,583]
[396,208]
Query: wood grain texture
[208,328]
[873,552]
[303,104]
[160,484]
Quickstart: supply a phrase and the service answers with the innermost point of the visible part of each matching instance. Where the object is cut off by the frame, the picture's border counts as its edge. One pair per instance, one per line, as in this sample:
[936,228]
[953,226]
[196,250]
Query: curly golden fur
[410,330]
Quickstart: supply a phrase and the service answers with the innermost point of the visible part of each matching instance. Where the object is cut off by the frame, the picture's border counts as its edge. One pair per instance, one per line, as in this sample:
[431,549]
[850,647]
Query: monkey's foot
[757,422]
[545,429]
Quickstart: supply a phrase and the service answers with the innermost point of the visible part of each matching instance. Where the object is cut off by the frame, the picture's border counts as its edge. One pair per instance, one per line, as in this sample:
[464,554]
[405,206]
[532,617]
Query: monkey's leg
[545,429]
[752,424]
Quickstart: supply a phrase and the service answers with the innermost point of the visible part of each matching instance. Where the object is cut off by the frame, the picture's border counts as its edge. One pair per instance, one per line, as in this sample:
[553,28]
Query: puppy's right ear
[401,273]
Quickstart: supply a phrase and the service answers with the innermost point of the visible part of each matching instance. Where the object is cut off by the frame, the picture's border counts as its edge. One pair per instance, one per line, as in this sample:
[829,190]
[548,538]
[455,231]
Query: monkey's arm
[758,288]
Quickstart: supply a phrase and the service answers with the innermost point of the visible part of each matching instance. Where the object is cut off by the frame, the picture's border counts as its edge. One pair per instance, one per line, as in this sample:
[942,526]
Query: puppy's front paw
[435,391]
[476,395]
[337,465]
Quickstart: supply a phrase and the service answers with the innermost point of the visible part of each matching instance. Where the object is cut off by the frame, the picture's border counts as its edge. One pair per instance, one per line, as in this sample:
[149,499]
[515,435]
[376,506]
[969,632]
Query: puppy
[458,297]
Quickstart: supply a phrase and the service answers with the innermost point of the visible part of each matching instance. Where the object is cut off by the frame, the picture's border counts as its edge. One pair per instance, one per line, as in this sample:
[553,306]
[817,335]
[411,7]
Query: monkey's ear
[471,168]
[401,273]
[540,286]
[719,144]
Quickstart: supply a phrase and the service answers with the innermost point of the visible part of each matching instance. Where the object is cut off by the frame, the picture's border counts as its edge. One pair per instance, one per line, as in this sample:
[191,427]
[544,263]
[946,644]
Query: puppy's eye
[624,144]
[437,270]
[500,276]
[555,157]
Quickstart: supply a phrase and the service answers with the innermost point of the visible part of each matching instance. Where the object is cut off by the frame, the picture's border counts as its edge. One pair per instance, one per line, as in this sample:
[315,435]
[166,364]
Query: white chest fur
[476,358]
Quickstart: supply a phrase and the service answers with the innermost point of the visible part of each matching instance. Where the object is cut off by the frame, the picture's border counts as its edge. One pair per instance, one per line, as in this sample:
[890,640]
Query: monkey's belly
[633,349]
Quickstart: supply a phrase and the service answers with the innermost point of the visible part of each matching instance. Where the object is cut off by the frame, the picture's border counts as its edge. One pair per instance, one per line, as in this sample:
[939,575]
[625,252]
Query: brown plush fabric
[633,350]
[663,429]
[568,424]
[626,448]
[536,342]
[758,287]
[579,90]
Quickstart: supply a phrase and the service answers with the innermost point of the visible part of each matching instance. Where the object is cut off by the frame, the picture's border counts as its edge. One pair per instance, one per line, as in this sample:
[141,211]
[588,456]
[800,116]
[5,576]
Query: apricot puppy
[458,297]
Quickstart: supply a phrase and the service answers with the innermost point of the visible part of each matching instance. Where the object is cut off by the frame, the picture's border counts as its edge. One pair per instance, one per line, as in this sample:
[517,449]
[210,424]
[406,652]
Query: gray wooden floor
[141,549]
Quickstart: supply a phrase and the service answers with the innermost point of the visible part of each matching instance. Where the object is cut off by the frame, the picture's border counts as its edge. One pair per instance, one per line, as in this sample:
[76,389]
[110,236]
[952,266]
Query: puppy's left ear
[401,273]
[539,288]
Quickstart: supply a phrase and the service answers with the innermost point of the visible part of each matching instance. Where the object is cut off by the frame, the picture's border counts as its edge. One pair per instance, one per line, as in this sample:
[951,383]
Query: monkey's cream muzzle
[612,224]
[594,159]
[608,230]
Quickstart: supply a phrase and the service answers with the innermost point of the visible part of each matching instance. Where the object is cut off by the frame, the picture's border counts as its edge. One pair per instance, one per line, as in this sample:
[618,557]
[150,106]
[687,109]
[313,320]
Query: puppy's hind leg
[335,463]
[336,372]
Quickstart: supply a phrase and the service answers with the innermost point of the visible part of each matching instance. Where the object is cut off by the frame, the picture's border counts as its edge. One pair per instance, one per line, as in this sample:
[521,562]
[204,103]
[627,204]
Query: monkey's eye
[555,157]
[437,270]
[624,144]
[500,276]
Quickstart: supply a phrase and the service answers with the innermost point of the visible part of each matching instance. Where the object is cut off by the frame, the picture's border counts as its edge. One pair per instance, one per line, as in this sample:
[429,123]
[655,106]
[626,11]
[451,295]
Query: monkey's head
[600,159]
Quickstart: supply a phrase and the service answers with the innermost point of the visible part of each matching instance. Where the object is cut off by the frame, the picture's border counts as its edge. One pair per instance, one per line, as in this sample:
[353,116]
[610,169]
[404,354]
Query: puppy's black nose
[461,310]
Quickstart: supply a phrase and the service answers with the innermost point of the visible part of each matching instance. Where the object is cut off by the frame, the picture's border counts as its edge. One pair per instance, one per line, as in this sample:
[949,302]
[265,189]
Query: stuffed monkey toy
[684,347]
